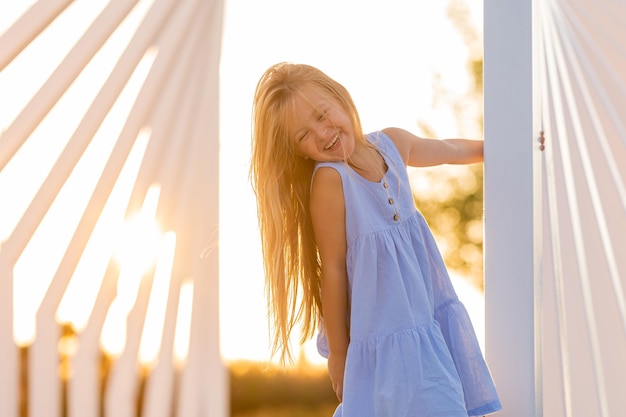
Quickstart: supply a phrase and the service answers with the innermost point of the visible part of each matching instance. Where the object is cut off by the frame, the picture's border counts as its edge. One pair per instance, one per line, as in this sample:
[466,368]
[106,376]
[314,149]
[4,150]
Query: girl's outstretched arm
[328,217]
[421,152]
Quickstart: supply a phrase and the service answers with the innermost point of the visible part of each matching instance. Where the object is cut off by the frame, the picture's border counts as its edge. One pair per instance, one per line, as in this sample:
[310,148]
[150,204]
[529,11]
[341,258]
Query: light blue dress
[412,351]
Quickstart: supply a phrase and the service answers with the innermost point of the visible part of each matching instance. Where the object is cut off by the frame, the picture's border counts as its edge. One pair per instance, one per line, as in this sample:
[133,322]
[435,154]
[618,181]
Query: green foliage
[451,197]
[453,207]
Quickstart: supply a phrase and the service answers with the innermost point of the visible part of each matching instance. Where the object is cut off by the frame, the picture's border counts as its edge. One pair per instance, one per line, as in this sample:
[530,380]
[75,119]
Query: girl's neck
[368,162]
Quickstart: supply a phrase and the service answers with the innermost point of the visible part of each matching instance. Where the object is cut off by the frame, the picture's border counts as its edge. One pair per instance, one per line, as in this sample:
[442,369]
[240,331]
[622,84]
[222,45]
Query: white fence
[555,205]
[110,113]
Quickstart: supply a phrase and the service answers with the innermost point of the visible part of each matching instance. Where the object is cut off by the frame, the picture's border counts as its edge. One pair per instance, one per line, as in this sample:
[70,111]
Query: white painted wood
[164,156]
[44,396]
[183,195]
[62,77]
[584,92]
[160,386]
[8,351]
[189,391]
[84,387]
[575,225]
[28,27]
[159,389]
[213,372]
[177,196]
[174,101]
[511,223]
[81,138]
[199,375]
[44,383]
[122,390]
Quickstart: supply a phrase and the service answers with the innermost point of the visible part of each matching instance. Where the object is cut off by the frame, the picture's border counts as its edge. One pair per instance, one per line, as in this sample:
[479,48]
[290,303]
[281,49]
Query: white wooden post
[84,386]
[203,387]
[512,206]
[9,359]
[214,375]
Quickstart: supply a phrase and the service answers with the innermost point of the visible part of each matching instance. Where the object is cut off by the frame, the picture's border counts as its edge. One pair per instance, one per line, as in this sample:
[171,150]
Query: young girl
[346,251]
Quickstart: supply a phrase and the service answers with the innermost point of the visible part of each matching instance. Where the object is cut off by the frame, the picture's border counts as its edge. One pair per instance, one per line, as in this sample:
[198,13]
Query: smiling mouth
[332,144]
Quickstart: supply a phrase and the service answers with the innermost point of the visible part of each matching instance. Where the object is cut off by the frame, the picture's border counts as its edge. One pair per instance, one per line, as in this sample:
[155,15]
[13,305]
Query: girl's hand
[336,367]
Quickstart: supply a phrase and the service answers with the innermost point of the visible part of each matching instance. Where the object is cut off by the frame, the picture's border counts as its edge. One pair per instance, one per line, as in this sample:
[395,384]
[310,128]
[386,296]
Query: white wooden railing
[555,206]
[109,113]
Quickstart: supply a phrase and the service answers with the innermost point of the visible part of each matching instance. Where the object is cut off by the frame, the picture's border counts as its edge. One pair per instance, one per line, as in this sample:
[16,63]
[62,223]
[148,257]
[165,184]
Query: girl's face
[323,130]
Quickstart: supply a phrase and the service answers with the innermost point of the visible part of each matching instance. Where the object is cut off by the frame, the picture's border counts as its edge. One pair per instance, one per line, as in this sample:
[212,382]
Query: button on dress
[413,351]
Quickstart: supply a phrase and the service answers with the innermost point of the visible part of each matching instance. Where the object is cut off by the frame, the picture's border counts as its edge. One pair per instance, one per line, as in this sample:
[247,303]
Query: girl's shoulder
[392,142]
[327,174]
[331,168]
[326,189]
[401,140]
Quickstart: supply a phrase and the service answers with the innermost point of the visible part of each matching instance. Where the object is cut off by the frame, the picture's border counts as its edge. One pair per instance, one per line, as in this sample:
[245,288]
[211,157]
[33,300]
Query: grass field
[257,390]
[322,410]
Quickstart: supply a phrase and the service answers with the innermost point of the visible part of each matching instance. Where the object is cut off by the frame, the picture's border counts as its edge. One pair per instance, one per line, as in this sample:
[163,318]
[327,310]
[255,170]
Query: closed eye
[322,116]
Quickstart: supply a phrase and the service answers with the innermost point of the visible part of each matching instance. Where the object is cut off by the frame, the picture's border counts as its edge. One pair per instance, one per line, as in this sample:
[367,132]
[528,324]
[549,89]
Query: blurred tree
[451,197]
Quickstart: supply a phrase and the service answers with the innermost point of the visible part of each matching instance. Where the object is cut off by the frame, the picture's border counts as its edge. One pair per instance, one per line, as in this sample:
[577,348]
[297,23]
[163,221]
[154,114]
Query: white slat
[168,103]
[62,77]
[9,381]
[121,393]
[159,391]
[28,27]
[84,386]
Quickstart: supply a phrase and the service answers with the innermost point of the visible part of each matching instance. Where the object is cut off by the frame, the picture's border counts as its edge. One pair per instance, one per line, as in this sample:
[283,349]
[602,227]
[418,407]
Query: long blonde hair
[281,181]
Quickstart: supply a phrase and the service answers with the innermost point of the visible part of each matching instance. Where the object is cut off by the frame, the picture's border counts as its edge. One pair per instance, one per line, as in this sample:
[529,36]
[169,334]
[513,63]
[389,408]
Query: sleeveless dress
[412,351]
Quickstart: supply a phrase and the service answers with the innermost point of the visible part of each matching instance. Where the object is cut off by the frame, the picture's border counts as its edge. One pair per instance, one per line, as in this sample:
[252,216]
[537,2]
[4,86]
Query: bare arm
[421,152]
[328,216]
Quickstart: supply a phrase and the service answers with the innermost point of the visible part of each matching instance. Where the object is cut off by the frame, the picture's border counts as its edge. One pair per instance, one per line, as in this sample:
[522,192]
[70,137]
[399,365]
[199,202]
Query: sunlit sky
[385,53]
